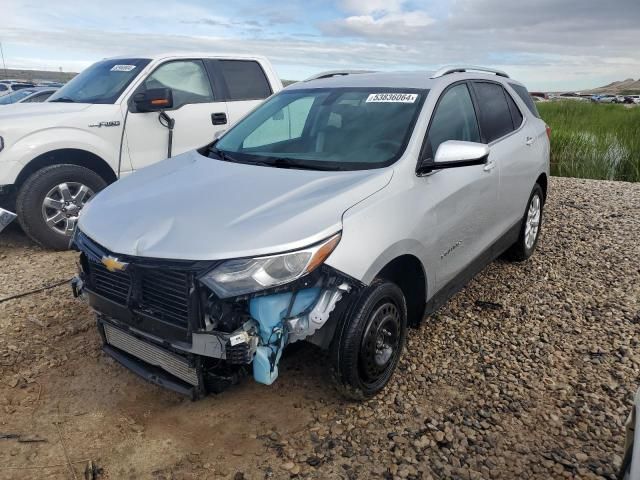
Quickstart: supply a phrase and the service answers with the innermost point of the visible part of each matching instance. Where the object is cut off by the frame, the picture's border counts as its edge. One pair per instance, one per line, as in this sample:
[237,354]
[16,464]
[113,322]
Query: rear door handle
[529,141]
[219,118]
[490,165]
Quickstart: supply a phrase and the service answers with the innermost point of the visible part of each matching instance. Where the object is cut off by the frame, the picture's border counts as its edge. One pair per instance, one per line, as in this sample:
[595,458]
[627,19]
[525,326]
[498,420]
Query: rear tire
[49,201]
[368,342]
[530,229]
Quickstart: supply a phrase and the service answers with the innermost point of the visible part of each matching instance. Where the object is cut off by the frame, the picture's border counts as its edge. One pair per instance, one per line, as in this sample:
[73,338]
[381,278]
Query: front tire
[530,229]
[368,343]
[50,200]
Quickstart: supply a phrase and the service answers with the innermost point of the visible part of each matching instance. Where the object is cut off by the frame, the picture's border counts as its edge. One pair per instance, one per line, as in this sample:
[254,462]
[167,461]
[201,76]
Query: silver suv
[340,212]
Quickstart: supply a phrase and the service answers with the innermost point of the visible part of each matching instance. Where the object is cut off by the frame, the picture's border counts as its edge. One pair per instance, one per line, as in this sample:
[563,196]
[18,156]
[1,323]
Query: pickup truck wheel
[369,341]
[50,200]
[530,229]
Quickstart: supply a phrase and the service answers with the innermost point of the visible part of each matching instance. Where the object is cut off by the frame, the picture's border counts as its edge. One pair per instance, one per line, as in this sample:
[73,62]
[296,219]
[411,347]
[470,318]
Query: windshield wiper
[283,162]
[221,155]
[63,99]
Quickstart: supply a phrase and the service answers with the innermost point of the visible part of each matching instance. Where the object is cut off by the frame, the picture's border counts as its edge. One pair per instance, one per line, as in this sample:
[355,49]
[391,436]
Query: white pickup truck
[117,116]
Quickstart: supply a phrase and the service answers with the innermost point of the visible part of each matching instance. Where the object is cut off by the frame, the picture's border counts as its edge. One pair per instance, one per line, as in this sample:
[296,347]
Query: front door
[196,113]
[463,199]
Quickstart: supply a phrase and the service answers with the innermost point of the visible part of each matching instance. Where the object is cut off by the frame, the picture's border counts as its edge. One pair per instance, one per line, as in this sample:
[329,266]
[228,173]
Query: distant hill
[628,86]
[36,75]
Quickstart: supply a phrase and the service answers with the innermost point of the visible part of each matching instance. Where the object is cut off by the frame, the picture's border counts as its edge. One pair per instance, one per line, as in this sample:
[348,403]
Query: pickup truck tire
[65,188]
[530,229]
[369,340]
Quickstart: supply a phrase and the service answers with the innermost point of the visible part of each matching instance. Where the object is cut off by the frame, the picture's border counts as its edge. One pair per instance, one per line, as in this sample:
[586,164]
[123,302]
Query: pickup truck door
[244,82]
[196,110]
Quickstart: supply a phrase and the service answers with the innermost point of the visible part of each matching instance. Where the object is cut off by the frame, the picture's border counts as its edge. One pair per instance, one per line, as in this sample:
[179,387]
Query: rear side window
[454,119]
[245,80]
[516,114]
[526,98]
[495,115]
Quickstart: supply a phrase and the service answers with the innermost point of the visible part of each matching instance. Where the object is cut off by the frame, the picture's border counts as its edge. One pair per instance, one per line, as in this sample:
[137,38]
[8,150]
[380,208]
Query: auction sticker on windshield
[122,68]
[392,97]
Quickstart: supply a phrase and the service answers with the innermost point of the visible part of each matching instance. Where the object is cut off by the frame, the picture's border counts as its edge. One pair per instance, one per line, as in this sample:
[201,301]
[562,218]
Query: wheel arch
[408,273]
[72,156]
[544,184]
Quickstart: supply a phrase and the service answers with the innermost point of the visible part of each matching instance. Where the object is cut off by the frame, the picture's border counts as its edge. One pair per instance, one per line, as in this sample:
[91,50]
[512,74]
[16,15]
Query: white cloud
[368,7]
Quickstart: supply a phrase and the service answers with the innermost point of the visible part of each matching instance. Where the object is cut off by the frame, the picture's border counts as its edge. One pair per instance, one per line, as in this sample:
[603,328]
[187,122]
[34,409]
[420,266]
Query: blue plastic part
[269,312]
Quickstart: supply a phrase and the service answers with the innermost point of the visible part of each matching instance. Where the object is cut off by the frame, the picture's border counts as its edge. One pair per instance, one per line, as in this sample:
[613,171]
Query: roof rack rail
[336,73]
[467,68]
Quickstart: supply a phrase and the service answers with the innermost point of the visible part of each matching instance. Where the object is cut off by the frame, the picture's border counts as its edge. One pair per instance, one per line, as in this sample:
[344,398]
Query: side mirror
[454,154]
[154,100]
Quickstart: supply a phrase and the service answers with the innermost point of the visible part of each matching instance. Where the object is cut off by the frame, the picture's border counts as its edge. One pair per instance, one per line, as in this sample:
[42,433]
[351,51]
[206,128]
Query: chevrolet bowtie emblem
[113,264]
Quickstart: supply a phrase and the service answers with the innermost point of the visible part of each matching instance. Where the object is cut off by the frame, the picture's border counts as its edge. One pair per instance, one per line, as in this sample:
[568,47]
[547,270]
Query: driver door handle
[490,165]
[529,141]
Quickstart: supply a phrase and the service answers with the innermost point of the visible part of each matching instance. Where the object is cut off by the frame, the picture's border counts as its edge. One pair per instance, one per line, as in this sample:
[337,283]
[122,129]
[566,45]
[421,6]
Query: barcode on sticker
[122,68]
[392,97]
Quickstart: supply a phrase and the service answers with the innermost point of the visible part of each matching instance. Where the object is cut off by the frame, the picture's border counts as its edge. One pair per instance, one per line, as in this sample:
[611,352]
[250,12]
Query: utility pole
[4,65]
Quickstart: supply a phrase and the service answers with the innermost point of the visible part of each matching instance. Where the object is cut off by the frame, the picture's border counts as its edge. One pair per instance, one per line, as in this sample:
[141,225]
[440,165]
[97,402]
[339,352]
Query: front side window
[245,80]
[102,82]
[495,116]
[454,119]
[329,129]
[187,79]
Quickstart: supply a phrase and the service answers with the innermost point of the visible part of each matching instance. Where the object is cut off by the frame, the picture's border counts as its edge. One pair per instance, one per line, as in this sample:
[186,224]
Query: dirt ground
[527,373]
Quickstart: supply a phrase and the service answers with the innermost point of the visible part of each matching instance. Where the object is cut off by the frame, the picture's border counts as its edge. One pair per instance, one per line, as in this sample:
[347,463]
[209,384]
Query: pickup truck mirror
[454,154]
[154,100]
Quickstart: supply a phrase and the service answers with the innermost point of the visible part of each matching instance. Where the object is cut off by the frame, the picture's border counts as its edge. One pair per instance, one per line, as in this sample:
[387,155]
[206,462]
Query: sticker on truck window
[392,98]
[122,68]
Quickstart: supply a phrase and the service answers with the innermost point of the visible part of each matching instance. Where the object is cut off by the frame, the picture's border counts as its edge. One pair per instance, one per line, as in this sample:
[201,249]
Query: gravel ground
[527,373]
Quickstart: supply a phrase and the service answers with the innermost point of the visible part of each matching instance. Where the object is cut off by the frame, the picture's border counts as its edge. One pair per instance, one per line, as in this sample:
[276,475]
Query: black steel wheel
[369,340]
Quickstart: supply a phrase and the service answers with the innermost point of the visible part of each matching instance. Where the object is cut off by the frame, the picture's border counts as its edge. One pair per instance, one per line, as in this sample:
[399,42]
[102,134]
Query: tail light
[548,128]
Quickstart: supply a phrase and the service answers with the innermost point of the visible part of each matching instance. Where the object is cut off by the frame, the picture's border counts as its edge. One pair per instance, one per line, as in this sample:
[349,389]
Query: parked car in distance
[607,98]
[337,212]
[7,88]
[28,95]
[107,122]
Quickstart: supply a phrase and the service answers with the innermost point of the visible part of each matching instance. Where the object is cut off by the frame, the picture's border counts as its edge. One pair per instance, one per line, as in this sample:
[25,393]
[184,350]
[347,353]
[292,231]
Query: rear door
[464,198]
[198,111]
[244,83]
[505,130]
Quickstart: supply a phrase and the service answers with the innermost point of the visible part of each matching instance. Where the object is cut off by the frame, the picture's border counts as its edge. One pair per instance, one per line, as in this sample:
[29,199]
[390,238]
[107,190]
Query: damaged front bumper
[160,322]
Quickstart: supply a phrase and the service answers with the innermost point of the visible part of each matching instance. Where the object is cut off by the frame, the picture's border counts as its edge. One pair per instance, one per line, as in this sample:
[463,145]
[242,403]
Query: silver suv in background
[339,212]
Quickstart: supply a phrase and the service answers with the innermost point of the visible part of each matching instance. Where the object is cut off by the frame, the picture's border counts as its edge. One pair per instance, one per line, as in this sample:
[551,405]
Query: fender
[43,141]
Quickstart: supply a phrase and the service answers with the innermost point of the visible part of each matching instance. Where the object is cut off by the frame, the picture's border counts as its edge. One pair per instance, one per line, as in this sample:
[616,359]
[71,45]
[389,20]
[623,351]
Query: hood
[17,111]
[193,207]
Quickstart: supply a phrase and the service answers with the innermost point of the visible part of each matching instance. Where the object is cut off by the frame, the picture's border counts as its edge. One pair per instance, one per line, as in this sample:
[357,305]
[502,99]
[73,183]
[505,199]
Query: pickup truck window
[245,80]
[186,78]
[326,129]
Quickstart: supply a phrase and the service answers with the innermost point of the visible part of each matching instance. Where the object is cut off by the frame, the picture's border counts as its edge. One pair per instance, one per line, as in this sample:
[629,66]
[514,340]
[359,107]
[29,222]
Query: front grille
[151,354]
[115,286]
[165,294]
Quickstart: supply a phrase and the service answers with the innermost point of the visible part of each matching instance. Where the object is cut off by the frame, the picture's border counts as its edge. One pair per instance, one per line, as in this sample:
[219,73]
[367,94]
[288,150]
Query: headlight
[247,275]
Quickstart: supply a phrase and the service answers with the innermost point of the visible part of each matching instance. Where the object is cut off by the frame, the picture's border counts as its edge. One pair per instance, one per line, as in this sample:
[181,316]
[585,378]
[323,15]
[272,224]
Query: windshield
[15,96]
[328,129]
[102,82]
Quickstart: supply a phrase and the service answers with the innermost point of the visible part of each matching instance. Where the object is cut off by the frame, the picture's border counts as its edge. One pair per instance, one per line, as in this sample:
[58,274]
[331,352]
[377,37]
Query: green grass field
[593,141]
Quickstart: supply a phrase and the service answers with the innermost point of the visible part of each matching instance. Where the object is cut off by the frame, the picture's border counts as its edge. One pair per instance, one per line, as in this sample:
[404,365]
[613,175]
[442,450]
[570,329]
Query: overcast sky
[548,44]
